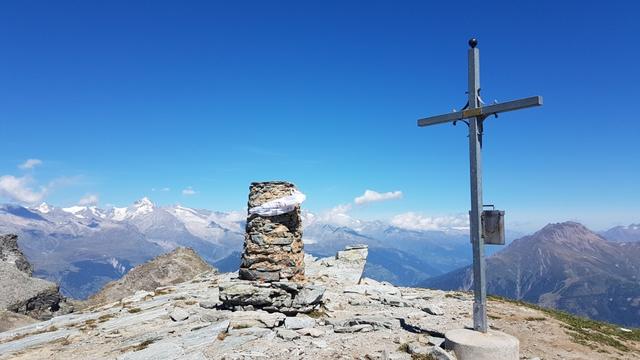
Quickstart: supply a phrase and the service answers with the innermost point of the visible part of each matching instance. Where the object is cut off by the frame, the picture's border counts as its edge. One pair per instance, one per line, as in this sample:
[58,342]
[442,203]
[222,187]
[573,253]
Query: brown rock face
[272,244]
[182,264]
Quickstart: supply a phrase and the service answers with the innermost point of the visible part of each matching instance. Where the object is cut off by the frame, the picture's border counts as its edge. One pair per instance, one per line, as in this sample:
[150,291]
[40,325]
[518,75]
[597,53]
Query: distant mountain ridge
[83,247]
[628,233]
[563,266]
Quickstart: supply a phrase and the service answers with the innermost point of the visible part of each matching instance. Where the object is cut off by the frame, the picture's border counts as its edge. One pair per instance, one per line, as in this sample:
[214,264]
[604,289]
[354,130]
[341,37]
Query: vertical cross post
[475,162]
[474,115]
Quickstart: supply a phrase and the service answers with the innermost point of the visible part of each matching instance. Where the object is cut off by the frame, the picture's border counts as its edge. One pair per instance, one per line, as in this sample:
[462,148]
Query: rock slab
[284,297]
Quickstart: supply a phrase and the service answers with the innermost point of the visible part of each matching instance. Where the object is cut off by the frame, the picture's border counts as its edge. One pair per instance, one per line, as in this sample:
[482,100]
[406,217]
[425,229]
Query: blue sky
[121,100]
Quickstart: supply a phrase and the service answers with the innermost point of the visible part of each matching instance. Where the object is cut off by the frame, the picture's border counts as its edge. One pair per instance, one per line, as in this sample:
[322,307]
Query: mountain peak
[567,232]
[43,208]
[142,207]
[75,210]
[563,226]
[143,202]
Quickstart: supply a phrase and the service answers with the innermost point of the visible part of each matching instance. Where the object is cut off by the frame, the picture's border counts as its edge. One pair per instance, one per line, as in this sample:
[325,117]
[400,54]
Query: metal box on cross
[493,227]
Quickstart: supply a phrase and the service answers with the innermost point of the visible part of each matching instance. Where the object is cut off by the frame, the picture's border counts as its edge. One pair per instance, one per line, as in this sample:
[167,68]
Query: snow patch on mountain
[119,214]
[140,207]
[75,210]
[119,267]
[43,208]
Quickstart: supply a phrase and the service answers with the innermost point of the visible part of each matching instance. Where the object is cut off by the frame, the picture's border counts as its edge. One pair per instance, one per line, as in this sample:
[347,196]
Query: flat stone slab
[474,345]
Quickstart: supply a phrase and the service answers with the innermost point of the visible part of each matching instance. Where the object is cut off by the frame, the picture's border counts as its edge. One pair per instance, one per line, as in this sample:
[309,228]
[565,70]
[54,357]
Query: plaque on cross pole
[474,115]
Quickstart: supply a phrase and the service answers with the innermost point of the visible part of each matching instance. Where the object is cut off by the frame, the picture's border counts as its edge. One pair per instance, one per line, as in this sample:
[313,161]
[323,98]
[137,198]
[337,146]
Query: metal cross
[476,113]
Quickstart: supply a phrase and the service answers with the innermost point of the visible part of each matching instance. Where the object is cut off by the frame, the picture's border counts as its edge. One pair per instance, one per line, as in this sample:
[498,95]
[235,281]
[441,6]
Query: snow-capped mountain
[139,208]
[82,247]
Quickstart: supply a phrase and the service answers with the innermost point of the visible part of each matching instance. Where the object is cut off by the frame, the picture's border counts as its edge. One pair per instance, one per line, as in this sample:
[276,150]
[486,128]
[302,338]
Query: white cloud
[415,221]
[30,164]
[164,189]
[338,215]
[18,189]
[88,200]
[374,196]
[189,191]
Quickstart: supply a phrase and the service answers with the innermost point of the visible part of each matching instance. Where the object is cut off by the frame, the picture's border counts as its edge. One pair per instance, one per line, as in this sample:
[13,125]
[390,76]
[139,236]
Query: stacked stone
[273,244]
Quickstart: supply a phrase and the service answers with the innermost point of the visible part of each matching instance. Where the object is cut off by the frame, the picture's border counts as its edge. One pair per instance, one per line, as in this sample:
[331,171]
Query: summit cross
[474,114]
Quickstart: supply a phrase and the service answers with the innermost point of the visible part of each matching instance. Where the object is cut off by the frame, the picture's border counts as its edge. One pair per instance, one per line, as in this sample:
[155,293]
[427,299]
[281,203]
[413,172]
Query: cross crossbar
[475,114]
[482,111]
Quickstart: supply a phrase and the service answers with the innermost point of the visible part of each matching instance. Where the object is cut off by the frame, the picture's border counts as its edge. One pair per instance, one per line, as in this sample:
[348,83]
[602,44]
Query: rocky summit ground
[359,319]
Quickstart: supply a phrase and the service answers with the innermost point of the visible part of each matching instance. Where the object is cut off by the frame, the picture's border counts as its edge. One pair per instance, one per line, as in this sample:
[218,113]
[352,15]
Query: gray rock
[260,275]
[287,334]
[320,344]
[354,324]
[11,254]
[396,301]
[416,348]
[238,337]
[207,304]
[261,319]
[353,253]
[431,352]
[299,322]
[288,298]
[179,314]
[156,351]
[433,309]
[436,341]
[437,353]
[21,293]
[373,289]
[26,295]
[309,295]
[313,332]
[345,268]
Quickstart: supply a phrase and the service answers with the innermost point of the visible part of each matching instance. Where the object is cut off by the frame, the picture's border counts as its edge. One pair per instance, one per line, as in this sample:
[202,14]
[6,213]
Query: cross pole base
[474,345]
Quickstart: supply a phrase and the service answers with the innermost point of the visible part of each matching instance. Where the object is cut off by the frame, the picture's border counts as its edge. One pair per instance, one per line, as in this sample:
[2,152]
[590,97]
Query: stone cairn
[273,244]
[271,276]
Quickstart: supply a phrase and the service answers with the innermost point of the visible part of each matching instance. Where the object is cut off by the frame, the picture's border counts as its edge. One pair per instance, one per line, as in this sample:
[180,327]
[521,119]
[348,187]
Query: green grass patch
[422,357]
[535,318]
[162,291]
[583,331]
[143,345]
[41,331]
[134,310]
[105,317]
[317,314]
